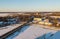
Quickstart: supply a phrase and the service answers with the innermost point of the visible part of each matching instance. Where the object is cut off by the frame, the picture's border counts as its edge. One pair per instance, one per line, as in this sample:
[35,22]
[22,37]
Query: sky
[29,5]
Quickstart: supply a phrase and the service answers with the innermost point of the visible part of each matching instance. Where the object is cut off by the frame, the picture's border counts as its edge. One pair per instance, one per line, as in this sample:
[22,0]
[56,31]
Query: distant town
[47,18]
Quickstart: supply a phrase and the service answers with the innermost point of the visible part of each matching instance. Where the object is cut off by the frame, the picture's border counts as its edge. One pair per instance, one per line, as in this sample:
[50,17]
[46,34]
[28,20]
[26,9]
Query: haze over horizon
[29,5]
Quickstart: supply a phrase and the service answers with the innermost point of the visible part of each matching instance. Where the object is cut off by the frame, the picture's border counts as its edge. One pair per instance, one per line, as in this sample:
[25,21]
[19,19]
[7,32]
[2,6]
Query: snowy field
[8,14]
[33,32]
[4,14]
[6,29]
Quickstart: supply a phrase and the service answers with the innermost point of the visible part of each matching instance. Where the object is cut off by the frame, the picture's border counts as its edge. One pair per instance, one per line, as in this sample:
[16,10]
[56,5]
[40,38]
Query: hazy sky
[29,5]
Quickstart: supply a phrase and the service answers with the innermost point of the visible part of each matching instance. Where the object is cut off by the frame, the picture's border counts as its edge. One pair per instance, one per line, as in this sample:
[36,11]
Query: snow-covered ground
[6,29]
[33,32]
[2,14]
[8,14]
